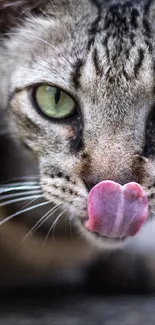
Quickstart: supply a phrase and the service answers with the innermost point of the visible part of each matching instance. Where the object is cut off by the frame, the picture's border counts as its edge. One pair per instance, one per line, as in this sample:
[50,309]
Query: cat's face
[102,57]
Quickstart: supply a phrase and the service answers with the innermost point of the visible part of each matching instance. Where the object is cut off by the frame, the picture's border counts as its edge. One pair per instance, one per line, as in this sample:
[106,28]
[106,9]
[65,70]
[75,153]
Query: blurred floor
[53,306]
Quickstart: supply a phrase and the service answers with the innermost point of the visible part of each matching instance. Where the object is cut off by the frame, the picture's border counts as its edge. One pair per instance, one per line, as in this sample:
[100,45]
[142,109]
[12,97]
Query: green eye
[54,102]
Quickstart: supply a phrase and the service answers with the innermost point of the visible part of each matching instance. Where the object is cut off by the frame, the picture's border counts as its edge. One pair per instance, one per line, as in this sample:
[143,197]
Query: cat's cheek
[28,139]
[31,145]
[68,133]
[23,132]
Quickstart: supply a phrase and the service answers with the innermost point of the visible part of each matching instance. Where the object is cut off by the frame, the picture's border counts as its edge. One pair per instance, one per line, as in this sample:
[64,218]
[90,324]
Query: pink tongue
[116,211]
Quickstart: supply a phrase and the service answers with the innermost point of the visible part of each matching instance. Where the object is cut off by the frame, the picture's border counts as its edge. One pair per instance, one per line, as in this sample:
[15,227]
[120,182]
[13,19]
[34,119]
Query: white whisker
[19,188]
[44,13]
[23,211]
[29,37]
[41,221]
[20,200]
[10,4]
[54,225]
[69,224]
[4,197]
[48,216]
[27,183]
[29,203]
[21,179]
[61,20]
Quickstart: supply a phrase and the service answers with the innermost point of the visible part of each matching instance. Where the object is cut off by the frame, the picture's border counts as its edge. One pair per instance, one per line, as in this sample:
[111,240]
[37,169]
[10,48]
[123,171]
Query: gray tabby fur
[102,53]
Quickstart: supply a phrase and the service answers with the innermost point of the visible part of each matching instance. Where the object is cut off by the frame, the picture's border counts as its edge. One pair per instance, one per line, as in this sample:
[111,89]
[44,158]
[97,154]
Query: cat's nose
[90,183]
[103,165]
[91,180]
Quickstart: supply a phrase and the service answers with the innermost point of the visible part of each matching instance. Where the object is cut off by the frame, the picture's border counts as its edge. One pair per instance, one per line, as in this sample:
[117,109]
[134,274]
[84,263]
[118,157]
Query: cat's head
[78,82]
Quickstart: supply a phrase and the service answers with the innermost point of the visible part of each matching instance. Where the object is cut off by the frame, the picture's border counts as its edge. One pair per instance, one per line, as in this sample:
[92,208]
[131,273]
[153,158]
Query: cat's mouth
[116,212]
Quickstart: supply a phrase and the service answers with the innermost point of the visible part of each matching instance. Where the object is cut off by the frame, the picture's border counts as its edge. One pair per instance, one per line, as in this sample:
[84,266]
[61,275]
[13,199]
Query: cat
[77,91]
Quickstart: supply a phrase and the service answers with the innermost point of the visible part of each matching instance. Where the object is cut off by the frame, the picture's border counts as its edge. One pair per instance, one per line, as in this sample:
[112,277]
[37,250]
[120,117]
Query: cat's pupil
[57,96]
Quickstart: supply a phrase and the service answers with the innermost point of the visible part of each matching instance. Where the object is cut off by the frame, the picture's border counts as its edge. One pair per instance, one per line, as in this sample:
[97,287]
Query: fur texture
[103,54]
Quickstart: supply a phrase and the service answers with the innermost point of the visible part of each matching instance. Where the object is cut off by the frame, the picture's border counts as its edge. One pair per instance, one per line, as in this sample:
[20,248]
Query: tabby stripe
[147,6]
[134,18]
[105,44]
[96,3]
[77,144]
[146,23]
[132,39]
[153,68]
[126,74]
[76,75]
[93,31]
[127,54]
[94,27]
[117,16]
[96,62]
[147,28]
[139,63]
[149,45]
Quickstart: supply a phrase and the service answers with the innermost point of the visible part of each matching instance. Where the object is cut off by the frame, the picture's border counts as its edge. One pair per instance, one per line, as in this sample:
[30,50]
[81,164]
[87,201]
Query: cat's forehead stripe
[94,29]
[138,64]
[76,75]
[96,62]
